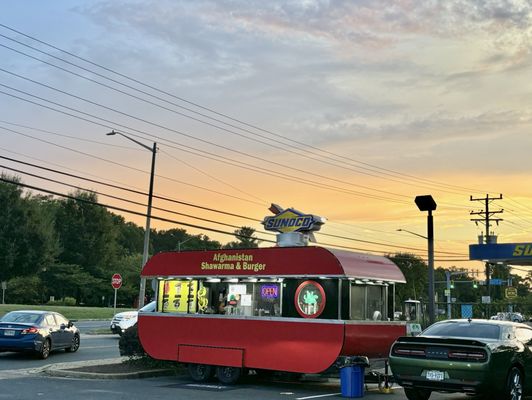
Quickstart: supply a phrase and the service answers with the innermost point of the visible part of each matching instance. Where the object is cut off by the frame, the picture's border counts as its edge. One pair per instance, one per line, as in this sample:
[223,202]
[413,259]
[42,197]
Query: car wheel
[228,375]
[45,349]
[200,372]
[514,385]
[74,345]
[417,394]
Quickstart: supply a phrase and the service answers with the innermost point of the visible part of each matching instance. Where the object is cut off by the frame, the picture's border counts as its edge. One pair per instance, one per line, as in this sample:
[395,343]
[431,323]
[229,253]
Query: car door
[524,335]
[66,332]
[54,332]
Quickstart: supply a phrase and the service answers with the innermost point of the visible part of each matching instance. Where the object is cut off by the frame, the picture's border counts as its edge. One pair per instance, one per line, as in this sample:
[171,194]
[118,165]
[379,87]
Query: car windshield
[148,307]
[21,317]
[464,329]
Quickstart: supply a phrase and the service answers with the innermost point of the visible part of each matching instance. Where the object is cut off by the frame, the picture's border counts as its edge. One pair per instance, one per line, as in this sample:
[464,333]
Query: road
[93,347]
[19,380]
[31,386]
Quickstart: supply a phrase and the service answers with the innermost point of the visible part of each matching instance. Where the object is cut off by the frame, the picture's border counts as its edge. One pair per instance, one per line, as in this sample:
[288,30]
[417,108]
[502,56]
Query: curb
[68,370]
[65,373]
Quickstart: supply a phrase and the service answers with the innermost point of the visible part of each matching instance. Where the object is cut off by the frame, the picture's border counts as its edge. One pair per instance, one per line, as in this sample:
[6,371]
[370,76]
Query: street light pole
[146,248]
[430,240]
[427,203]
[412,233]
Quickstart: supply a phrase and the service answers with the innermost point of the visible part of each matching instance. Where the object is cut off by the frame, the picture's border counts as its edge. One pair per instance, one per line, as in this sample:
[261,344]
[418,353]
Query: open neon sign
[269,291]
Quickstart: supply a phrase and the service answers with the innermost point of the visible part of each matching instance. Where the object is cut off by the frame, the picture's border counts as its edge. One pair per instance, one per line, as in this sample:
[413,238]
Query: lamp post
[142,290]
[427,203]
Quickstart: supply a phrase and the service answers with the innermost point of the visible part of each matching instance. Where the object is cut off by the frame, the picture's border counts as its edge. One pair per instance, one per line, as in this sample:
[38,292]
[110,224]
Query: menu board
[177,296]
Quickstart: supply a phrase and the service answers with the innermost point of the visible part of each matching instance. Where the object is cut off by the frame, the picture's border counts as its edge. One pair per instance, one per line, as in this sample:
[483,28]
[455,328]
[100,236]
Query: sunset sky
[344,109]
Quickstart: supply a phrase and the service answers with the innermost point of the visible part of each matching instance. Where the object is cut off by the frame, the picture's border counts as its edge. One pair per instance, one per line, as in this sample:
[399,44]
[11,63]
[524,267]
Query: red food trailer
[293,309]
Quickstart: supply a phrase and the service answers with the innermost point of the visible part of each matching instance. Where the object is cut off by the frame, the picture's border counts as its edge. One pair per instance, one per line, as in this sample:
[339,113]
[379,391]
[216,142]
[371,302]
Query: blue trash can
[352,381]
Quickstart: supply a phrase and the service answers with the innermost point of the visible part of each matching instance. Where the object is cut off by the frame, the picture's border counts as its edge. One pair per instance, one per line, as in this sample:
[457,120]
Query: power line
[322,153]
[121,209]
[189,136]
[125,210]
[127,166]
[123,199]
[130,190]
[171,211]
[276,174]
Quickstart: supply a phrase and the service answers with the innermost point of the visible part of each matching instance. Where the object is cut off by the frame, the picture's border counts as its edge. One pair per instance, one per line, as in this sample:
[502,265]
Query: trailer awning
[274,262]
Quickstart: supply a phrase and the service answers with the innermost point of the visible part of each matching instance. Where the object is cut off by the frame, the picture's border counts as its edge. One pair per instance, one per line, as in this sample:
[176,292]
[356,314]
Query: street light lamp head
[111,133]
[425,203]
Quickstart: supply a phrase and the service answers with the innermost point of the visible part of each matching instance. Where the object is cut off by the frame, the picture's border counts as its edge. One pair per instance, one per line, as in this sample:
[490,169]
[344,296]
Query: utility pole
[489,239]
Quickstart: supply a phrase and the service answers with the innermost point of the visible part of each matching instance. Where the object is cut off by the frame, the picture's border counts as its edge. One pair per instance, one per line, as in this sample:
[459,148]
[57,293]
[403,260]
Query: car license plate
[9,332]
[435,375]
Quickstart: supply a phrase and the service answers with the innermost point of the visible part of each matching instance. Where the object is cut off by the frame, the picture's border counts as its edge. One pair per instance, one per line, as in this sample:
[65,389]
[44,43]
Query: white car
[126,319]
[509,316]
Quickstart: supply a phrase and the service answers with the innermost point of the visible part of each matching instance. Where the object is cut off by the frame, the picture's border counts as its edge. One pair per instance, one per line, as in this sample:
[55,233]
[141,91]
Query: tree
[27,238]
[88,235]
[245,237]
[179,239]
[25,290]
[69,280]
[130,237]
[416,274]
[129,268]
[169,240]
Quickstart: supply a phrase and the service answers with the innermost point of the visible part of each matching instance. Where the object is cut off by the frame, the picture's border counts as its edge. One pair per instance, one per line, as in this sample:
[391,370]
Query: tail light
[408,352]
[27,331]
[472,355]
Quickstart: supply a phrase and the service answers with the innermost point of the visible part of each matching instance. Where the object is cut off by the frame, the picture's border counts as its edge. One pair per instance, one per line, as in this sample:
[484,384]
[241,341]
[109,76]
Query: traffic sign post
[4,287]
[116,283]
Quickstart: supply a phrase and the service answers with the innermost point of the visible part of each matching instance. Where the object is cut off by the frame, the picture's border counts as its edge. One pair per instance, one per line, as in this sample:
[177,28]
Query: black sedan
[487,357]
[39,332]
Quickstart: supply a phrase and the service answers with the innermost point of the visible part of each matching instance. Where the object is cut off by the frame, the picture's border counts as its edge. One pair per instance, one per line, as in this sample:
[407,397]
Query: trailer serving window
[368,301]
[214,296]
[264,298]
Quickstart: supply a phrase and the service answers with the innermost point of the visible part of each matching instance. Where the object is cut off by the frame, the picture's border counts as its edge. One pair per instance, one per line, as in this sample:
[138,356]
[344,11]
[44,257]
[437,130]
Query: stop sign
[116,281]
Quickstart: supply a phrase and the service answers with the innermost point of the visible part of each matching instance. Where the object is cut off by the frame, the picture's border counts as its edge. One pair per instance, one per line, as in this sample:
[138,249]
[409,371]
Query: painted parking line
[318,396]
[204,386]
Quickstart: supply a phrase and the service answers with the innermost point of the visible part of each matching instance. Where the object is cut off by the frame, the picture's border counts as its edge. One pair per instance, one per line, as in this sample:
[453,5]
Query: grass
[77,313]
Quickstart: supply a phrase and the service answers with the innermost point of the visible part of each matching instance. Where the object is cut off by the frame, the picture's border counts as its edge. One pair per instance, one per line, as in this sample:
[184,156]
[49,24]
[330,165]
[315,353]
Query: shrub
[66,301]
[129,343]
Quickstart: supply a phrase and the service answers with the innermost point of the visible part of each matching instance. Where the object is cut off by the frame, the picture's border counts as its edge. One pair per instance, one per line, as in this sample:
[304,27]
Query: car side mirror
[70,324]
[63,326]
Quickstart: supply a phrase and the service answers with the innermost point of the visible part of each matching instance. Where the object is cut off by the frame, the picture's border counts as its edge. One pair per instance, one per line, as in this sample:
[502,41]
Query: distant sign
[486,299]
[494,282]
[291,220]
[4,285]
[511,292]
[520,253]
[116,281]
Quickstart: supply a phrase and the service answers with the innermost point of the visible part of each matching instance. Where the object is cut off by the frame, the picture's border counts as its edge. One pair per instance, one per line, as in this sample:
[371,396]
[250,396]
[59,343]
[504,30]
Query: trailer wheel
[228,375]
[200,372]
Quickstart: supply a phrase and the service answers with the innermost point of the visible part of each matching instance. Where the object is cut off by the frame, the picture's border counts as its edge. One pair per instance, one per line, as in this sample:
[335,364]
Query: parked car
[126,319]
[509,316]
[469,356]
[40,332]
